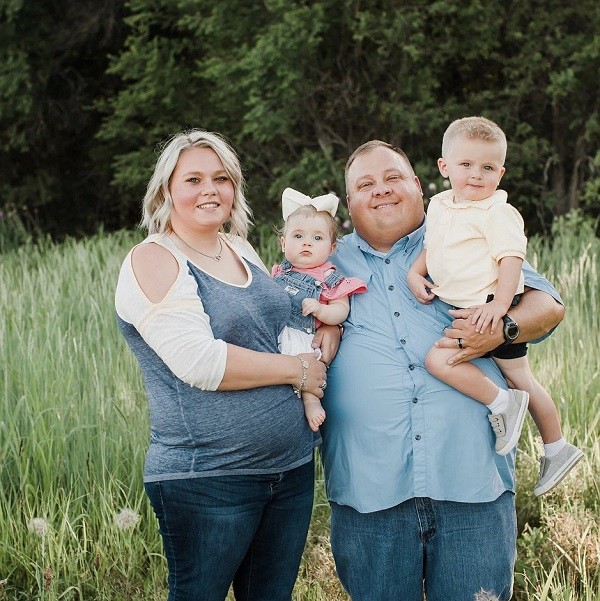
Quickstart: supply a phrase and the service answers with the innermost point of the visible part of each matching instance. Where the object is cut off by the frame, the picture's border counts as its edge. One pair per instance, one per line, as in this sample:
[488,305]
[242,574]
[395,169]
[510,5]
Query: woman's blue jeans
[446,550]
[245,530]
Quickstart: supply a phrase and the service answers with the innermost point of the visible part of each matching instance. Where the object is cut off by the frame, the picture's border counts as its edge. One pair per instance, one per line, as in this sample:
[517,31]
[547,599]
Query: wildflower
[432,187]
[48,576]
[39,526]
[446,183]
[346,224]
[483,595]
[126,519]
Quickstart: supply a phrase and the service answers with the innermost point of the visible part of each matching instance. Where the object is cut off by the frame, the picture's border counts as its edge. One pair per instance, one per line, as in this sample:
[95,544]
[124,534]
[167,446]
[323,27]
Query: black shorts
[509,351]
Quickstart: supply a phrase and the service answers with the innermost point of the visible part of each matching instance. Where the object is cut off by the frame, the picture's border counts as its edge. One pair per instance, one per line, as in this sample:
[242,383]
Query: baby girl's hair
[310,211]
[474,128]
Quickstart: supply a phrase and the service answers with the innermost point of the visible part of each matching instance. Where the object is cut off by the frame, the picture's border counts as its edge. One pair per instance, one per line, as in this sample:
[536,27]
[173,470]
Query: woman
[229,468]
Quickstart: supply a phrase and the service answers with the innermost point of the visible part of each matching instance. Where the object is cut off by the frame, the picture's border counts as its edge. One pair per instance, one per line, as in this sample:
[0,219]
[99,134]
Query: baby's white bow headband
[292,199]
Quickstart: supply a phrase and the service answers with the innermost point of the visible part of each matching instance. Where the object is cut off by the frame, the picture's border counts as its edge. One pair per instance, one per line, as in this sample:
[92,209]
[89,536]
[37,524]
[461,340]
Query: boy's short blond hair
[475,128]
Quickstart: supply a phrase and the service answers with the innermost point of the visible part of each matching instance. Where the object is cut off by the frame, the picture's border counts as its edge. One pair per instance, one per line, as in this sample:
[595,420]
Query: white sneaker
[507,426]
[554,469]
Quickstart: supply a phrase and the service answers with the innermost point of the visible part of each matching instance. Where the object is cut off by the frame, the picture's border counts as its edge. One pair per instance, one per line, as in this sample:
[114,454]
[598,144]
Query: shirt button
[390,287]
[415,400]
[308,331]
[396,314]
[317,283]
[411,367]
[402,341]
[418,437]
[387,261]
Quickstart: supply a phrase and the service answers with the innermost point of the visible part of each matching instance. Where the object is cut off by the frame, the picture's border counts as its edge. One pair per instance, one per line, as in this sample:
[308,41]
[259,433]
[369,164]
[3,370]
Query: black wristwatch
[511,330]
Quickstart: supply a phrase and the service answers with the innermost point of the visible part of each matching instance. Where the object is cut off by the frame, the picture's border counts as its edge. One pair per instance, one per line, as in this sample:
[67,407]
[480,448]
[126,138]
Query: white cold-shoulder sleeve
[177,329]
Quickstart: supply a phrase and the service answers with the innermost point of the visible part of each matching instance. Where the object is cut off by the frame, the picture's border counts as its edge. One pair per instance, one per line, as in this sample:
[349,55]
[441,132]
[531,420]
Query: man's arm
[537,314]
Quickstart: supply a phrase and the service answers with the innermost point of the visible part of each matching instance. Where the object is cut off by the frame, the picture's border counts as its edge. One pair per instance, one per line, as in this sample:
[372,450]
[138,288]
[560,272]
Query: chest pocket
[361,308]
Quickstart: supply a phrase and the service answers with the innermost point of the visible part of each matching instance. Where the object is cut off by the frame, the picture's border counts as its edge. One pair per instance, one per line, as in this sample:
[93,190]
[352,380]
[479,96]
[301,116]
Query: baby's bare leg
[315,414]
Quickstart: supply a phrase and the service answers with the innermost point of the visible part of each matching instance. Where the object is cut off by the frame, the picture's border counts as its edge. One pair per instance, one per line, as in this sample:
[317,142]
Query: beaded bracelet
[298,389]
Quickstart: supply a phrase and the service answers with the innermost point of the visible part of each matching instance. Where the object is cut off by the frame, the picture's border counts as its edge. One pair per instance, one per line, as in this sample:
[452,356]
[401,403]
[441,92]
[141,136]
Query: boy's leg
[553,467]
[541,406]
[464,377]
[508,408]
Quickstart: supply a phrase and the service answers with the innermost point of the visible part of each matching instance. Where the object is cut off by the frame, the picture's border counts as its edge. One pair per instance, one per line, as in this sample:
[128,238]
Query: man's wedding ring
[460,344]
[324,385]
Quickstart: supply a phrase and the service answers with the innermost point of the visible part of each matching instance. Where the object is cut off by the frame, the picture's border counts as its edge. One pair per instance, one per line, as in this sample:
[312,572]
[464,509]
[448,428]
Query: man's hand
[327,339]
[464,337]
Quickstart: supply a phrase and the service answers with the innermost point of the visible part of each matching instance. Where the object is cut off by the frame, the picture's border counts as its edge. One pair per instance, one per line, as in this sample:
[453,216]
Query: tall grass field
[74,520]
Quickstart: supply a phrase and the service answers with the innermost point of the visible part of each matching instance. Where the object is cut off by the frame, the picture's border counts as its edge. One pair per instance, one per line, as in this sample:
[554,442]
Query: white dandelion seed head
[432,187]
[446,183]
[484,595]
[38,526]
[126,519]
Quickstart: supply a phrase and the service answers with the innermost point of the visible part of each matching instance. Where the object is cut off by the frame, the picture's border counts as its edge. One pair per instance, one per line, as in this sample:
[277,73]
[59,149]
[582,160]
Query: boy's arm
[509,274]
[537,314]
[332,314]
[418,284]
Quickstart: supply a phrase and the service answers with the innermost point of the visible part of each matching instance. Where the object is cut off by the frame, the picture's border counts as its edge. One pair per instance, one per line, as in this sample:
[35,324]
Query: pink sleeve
[347,287]
[276,270]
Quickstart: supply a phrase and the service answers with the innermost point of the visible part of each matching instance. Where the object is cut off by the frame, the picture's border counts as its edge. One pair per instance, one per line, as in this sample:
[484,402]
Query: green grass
[74,429]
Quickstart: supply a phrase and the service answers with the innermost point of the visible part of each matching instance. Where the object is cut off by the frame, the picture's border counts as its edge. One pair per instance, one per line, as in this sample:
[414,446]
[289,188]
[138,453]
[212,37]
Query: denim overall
[300,286]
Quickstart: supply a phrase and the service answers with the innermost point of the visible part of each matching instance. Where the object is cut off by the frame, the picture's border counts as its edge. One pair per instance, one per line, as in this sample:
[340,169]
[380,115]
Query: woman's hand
[316,374]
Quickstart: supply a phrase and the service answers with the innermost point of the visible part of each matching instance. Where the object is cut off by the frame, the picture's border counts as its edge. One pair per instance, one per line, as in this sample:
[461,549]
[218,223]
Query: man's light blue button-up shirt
[393,431]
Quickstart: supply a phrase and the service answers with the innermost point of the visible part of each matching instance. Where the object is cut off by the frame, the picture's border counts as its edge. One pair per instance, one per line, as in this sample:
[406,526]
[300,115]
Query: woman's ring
[460,344]
[324,385]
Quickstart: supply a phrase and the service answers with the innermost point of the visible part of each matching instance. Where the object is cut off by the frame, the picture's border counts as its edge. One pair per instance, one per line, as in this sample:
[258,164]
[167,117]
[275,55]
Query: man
[420,501]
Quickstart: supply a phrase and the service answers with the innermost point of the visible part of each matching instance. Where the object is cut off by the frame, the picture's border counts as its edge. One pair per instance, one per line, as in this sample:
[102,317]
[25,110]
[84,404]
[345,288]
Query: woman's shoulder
[155,266]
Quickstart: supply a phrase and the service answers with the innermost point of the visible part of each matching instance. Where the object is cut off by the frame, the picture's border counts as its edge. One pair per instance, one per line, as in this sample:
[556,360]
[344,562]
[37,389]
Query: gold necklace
[216,257]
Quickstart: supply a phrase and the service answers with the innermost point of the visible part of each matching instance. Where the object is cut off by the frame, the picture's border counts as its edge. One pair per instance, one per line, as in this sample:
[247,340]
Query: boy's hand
[311,306]
[421,287]
[490,313]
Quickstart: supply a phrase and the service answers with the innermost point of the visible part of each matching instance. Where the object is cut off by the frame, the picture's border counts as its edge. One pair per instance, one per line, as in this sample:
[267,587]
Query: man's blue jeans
[448,551]
[249,530]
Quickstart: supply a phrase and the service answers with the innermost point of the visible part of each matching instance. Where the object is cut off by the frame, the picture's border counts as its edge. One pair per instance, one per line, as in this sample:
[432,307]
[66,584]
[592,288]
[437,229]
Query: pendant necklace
[216,257]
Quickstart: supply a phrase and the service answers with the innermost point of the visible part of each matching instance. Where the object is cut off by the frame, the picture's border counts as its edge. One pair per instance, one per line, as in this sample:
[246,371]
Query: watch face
[511,330]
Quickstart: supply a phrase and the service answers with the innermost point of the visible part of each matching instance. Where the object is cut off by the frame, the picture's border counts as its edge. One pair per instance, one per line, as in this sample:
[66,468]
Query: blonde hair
[158,204]
[474,128]
[310,211]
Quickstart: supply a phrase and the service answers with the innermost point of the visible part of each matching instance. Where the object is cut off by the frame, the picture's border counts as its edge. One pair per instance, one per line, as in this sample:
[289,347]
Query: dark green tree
[52,62]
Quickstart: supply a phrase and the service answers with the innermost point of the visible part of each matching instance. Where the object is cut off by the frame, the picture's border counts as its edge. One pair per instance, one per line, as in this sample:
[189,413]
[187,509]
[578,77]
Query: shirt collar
[405,243]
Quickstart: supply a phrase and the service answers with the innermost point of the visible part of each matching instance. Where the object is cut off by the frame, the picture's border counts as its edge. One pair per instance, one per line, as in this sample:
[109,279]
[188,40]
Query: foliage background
[89,88]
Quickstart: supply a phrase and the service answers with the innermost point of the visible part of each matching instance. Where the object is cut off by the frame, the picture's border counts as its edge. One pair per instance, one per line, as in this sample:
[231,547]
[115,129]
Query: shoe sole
[514,439]
[560,475]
